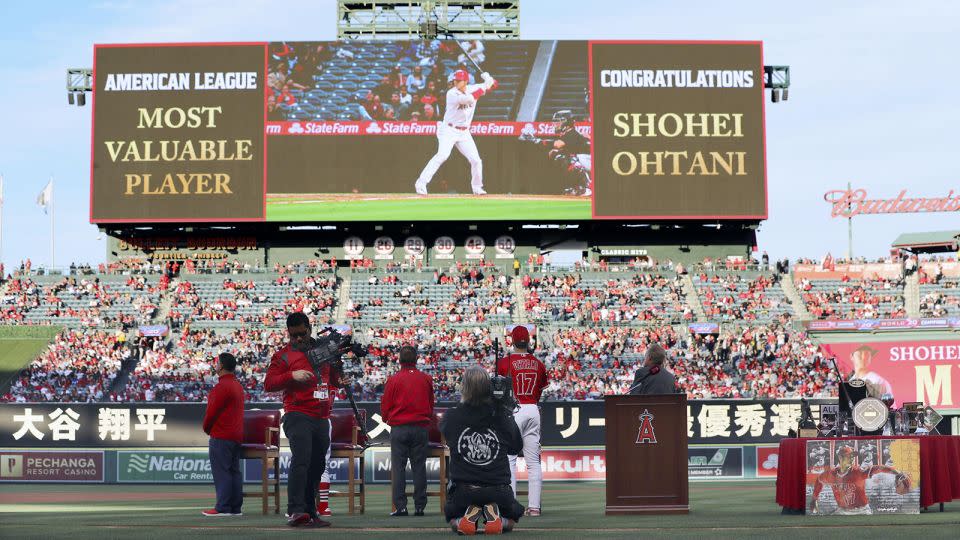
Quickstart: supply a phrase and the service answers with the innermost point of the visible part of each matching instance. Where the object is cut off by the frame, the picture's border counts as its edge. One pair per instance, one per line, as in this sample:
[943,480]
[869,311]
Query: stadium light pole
[777,79]
[79,82]
[849,227]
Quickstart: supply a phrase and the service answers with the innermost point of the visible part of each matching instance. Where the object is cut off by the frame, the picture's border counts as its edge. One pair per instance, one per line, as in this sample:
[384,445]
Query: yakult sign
[927,371]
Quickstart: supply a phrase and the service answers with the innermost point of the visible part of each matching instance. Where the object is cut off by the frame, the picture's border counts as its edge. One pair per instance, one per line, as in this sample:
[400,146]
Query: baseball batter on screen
[529,377]
[454,130]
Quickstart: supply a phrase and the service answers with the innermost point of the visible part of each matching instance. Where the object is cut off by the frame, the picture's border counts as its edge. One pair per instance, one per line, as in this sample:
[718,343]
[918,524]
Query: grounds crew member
[223,422]
[407,407]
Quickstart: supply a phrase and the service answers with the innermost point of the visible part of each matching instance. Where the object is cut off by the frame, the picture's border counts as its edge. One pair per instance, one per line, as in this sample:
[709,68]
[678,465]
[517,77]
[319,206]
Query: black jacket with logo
[480,442]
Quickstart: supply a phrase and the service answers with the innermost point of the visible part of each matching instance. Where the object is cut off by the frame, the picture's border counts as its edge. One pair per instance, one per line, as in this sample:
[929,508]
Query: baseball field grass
[393,206]
[18,346]
[571,510]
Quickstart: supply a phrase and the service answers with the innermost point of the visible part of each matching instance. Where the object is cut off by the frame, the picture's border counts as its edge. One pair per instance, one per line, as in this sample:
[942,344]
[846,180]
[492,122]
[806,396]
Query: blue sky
[873,100]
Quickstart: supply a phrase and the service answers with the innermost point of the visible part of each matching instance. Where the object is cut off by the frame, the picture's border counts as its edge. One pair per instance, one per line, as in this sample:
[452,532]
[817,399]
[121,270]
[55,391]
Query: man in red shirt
[529,378]
[407,407]
[306,419]
[848,484]
[223,422]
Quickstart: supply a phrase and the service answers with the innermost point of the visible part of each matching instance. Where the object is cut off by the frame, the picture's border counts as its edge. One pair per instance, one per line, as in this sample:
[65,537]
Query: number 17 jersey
[528,374]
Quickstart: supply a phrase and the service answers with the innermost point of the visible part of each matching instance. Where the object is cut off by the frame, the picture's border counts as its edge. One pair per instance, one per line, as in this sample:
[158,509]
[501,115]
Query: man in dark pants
[481,436]
[407,407]
[223,422]
[306,421]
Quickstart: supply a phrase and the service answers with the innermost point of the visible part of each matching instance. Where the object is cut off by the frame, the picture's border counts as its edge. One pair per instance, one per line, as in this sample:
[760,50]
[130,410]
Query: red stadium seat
[348,440]
[261,440]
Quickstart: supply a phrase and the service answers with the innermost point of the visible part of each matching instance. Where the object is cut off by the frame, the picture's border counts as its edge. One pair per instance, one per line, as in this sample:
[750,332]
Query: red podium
[647,454]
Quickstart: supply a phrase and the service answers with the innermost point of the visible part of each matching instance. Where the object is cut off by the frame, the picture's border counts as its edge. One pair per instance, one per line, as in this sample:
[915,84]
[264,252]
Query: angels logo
[479,447]
[646,433]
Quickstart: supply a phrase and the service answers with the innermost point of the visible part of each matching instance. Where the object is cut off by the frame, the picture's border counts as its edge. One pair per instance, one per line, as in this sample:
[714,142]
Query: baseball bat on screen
[465,53]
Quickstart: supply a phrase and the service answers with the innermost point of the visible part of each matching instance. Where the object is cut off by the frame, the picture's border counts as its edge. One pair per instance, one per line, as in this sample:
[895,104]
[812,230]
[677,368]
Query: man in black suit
[653,377]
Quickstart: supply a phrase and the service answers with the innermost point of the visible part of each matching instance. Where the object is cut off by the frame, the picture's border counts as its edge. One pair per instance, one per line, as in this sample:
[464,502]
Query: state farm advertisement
[927,371]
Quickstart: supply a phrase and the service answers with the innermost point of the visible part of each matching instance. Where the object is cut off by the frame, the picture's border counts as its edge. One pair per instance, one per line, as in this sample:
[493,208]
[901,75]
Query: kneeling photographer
[307,371]
[481,434]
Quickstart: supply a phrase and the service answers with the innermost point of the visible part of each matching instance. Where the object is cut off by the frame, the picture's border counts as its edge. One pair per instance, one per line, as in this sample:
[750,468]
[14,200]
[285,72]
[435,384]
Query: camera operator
[306,421]
[481,434]
[528,376]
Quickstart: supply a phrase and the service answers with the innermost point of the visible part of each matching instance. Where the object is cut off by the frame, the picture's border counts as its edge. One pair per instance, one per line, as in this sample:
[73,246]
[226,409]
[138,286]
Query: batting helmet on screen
[565,117]
[461,75]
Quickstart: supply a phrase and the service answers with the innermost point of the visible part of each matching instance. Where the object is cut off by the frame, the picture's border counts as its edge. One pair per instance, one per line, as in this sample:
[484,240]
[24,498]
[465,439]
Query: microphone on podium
[653,371]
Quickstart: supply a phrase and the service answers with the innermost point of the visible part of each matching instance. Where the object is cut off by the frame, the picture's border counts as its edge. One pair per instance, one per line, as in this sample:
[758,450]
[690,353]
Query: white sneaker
[479,191]
[421,188]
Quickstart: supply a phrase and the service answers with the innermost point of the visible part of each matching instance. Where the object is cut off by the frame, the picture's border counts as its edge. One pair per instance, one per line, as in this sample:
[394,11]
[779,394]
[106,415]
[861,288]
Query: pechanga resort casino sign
[848,203]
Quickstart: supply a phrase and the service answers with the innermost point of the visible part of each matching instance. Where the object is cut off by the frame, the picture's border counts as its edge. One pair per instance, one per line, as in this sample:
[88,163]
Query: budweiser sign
[851,202]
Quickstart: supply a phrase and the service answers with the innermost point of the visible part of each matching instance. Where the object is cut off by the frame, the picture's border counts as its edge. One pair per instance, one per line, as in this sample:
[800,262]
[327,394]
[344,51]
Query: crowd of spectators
[733,297]
[759,361]
[868,298]
[250,301]
[88,300]
[468,294]
[447,313]
[79,365]
[184,370]
[413,89]
[637,299]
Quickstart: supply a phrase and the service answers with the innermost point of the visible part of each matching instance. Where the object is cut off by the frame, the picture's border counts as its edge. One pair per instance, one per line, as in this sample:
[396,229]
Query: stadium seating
[341,84]
[74,301]
[941,299]
[853,299]
[416,298]
[605,298]
[738,296]
[214,302]
[593,326]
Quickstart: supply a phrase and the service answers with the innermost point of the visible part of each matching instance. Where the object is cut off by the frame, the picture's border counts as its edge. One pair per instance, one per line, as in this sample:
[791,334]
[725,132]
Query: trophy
[870,414]
[807,427]
[829,423]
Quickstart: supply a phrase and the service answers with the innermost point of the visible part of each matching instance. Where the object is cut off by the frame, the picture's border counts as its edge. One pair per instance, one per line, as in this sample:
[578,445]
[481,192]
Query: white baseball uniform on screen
[529,377]
[454,130]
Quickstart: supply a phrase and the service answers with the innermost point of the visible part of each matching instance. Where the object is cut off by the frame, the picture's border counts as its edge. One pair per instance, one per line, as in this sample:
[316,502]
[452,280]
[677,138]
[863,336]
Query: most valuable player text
[179,150]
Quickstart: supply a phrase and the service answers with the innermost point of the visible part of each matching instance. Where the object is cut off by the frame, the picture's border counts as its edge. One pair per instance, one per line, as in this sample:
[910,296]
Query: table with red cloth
[939,469]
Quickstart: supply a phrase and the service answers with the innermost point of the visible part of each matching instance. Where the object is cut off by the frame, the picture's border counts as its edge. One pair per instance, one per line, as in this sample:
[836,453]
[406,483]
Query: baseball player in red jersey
[529,378]
[849,484]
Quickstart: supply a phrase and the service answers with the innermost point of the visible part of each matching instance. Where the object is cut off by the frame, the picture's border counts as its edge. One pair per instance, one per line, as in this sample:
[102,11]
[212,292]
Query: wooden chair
[261,440]
[348,440]
[436,448]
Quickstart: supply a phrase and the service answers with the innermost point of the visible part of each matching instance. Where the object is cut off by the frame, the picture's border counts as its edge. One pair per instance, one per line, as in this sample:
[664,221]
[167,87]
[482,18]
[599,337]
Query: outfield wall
[163,442]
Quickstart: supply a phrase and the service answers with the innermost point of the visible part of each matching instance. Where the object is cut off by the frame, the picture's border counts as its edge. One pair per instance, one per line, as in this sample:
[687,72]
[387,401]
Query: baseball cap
[461,75]
[520,333]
